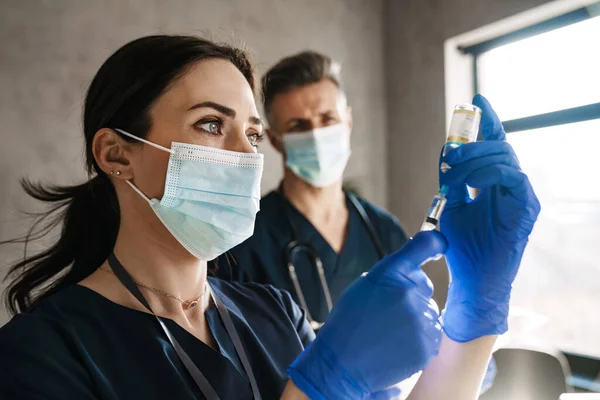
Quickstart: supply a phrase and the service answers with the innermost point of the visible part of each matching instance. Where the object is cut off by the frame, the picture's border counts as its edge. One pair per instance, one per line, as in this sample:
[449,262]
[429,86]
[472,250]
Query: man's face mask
[210,199]
[318,156]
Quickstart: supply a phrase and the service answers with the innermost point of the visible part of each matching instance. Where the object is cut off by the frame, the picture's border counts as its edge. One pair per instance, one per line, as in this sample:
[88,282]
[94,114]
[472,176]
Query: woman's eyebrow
[230,112]
[255,121]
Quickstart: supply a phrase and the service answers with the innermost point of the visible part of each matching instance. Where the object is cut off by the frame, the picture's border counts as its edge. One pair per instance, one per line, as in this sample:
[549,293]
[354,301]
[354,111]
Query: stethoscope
[297,246]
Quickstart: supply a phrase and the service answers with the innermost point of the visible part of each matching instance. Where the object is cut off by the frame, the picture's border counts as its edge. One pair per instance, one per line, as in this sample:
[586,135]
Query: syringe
[463,129]
[435,211]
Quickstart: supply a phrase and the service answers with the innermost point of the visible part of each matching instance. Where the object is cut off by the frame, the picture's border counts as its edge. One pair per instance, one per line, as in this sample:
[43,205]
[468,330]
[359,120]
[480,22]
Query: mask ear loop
[137,190]
[158,146]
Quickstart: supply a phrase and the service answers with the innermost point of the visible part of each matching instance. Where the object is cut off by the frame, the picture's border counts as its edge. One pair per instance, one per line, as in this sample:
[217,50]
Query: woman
[121,306]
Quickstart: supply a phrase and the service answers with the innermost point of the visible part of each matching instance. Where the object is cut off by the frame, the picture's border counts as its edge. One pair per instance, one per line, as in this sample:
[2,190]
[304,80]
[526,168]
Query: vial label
[463,127]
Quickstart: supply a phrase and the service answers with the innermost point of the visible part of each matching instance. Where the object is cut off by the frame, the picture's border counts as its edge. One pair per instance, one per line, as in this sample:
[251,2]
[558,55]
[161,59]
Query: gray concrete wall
[415,35]
[51,49]
[392,51]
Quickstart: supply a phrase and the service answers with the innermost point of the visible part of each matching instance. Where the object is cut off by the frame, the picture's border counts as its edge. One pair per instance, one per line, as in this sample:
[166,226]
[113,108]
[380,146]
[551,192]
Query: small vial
[464,127]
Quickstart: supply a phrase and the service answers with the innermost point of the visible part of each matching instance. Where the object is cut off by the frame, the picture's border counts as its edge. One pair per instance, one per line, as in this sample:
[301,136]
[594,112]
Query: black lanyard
[197,375]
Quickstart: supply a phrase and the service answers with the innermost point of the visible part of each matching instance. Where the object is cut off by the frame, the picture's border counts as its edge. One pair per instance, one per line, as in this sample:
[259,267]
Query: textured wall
[415,35]
[392,51]
[51,49]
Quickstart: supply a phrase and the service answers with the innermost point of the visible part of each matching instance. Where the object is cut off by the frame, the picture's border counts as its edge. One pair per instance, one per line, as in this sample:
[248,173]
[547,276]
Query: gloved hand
[487,235]
[383,329]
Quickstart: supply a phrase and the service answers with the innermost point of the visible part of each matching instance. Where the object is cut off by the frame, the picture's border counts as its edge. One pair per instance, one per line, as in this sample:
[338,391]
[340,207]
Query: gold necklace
[187,304]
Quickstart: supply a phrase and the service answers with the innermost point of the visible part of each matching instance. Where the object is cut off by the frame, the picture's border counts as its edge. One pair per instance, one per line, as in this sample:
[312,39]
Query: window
[546,88]
[548,72]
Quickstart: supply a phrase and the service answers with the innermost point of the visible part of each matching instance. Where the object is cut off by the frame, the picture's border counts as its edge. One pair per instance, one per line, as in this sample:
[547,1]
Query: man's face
[309,107]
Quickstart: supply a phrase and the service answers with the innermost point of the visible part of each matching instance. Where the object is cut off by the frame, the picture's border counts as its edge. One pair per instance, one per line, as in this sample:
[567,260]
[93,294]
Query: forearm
[292,392]
[457,372]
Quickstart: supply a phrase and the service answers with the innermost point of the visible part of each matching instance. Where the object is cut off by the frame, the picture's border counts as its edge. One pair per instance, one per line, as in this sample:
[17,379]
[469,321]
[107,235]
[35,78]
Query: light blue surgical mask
[210,199]
[318,156]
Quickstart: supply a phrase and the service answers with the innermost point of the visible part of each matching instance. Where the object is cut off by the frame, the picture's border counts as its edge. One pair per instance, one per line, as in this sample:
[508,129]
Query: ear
[112,154]
[275,140]
[349,118]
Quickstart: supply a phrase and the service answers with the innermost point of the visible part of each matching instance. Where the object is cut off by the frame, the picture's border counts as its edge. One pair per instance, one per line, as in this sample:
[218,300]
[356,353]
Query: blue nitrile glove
[383,329]
[487,236]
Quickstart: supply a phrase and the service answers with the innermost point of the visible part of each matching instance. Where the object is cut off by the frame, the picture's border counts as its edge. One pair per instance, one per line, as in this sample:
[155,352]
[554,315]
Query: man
[309,220]
[309,216]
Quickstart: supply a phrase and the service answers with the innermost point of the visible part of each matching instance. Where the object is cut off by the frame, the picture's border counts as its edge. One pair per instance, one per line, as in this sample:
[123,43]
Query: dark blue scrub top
[79,345]
[262,258]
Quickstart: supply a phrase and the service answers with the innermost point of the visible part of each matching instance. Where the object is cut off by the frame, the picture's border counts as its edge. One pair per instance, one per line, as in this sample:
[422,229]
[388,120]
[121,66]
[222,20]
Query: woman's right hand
[383,329]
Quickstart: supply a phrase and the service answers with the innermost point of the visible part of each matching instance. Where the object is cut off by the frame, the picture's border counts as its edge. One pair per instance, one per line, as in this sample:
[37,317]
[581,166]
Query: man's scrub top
[79,345]
[263,258]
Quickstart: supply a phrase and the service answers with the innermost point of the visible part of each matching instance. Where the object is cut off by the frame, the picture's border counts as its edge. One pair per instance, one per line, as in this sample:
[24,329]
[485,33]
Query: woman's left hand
[487,236]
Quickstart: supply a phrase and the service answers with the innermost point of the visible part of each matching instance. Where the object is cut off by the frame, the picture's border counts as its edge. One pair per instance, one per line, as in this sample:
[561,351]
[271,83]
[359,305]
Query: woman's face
[211,105]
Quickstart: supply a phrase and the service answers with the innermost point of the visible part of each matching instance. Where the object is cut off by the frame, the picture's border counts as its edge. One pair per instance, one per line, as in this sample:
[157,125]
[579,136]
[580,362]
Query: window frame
[560,117]
[462,63]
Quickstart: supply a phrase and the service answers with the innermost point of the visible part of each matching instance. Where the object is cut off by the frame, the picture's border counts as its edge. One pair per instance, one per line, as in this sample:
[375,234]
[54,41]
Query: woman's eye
[254,139]
[212,127]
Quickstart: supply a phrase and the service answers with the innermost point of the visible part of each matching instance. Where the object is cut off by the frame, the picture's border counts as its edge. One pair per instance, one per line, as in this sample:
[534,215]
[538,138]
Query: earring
[115,173]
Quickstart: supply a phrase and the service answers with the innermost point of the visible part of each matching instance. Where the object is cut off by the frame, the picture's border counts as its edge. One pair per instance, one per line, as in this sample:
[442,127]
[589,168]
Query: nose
[314,123]
[238,141]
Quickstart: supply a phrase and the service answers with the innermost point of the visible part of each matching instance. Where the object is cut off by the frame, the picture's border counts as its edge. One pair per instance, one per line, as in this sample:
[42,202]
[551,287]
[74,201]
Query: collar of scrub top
[296,246]
[198,377]
[361,212]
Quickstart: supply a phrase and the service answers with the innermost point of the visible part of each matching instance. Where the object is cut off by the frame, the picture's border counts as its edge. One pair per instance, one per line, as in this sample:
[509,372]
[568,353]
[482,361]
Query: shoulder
[390,230]
[43,327]
[40,357]
[32,339]
[268,305]
[253,294]
[24,328]
[31,324]
[379,216]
